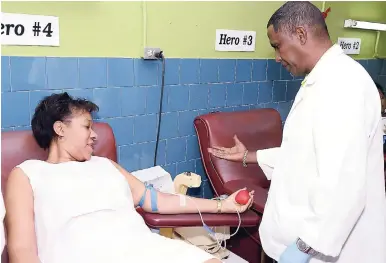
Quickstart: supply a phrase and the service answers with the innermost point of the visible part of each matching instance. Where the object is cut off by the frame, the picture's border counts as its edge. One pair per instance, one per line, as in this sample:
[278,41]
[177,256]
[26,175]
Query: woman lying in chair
[79,208]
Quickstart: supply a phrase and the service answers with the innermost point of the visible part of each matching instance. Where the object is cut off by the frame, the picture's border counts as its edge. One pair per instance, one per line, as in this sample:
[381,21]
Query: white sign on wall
[29,30]
[350,45]
[235,40]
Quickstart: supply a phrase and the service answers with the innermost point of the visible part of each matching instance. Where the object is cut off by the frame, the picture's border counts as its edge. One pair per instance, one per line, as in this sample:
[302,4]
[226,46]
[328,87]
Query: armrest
[260,197]
[248,219]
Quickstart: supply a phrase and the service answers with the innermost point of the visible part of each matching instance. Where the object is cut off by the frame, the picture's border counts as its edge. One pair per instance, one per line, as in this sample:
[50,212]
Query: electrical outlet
[151,53]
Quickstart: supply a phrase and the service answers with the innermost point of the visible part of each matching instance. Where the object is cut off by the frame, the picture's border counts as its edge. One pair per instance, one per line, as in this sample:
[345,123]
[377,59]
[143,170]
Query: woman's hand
[236,153]
[230,205]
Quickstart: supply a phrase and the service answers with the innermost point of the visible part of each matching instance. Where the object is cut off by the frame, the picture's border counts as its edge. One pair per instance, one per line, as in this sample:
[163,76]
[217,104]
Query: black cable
[160,56]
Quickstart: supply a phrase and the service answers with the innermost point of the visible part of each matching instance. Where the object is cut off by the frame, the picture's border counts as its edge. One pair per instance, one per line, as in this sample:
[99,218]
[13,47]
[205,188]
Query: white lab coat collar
[324,61]
[310,79]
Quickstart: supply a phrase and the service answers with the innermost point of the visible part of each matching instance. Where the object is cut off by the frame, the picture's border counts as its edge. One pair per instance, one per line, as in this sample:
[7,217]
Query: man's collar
[331,53]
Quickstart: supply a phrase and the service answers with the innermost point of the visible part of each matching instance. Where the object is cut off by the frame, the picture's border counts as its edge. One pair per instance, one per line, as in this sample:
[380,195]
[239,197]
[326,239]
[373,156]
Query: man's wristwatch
[303,247]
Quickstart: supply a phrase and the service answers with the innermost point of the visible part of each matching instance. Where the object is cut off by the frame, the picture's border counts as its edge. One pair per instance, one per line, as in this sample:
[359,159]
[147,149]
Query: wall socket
[150,53]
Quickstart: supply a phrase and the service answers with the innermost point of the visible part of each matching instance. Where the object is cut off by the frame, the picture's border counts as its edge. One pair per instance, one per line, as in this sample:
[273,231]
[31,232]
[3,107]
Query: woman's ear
[59,128]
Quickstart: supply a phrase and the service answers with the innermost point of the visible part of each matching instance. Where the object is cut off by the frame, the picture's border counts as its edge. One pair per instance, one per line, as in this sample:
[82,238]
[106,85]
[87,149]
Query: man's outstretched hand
[235,153]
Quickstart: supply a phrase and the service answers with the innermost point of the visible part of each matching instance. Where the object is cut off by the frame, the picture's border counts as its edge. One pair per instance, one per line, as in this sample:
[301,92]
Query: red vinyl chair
[18,146]
[256,129]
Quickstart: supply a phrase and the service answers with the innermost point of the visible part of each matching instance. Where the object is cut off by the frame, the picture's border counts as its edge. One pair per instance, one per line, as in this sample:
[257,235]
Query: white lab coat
[327,181]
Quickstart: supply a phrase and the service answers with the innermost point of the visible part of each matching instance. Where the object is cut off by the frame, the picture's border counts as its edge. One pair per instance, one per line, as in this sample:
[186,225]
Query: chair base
[247,248]
[241,244]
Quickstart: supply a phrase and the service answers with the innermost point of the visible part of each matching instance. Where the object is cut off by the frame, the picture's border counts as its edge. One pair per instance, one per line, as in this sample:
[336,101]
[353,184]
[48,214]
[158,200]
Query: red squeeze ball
[242,197]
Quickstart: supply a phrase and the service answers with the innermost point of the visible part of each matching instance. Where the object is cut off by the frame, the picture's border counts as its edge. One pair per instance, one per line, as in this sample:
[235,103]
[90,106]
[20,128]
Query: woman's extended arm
[19,219]
[171,204]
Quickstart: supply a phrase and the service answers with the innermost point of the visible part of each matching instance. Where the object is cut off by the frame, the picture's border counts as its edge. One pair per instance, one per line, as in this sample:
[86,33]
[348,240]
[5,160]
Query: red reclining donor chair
[256,129]
[18,146]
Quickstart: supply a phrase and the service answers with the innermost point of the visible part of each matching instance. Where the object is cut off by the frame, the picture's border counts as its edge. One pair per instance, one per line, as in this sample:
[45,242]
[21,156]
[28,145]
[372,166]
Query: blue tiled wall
[128,92]
[381,78]
[377,69]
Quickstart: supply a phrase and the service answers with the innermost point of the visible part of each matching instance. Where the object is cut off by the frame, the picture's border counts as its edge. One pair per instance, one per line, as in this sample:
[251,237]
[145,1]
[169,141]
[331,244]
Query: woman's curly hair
[53,108]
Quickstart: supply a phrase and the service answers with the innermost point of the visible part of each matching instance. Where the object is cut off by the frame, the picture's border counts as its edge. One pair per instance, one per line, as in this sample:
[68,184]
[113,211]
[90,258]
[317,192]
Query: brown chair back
[256,129]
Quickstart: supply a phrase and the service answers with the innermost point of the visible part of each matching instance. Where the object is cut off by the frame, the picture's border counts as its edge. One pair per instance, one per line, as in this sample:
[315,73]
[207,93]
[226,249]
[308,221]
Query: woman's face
[78,137]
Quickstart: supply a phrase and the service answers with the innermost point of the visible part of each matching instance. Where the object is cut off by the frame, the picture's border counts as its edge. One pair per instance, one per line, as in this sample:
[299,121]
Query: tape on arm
[153,197]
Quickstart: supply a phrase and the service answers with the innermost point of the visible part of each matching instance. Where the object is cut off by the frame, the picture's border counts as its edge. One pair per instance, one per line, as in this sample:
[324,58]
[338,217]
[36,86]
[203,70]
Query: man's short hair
[294,14]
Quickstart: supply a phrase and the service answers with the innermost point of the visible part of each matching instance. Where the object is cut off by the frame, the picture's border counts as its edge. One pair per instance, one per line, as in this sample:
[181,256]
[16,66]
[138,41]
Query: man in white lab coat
[327,200]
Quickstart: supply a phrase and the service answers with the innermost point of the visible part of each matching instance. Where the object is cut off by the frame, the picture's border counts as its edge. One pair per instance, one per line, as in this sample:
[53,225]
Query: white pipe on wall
[349,23]
[144,21]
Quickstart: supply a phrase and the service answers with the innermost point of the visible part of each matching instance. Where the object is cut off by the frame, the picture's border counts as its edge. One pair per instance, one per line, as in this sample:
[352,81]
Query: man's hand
[293,255]
[236,153]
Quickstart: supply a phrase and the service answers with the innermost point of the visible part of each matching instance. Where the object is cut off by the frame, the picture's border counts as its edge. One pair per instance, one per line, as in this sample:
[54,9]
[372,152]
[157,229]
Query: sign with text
[235,40]
[29,30]
[350,45]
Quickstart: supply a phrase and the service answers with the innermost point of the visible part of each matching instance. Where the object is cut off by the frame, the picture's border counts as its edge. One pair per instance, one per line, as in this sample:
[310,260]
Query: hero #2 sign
[29,30]
[350,45]
[235,40]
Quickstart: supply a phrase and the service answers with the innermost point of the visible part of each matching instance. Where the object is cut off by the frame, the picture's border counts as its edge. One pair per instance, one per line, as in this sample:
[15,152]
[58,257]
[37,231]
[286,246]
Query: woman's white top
[84,213]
